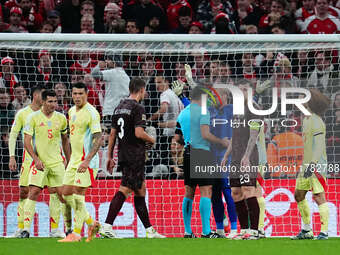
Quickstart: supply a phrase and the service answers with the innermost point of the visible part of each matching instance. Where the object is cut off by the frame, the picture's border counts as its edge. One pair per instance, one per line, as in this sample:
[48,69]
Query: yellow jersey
[46,133]
[83,123]
[18,127]
[314,151]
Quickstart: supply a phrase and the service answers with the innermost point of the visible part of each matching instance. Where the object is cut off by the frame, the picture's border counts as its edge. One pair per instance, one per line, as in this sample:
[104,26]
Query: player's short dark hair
[80,85]
[318,102]
[197,92]
[48,93]
[136,84]
[35,89]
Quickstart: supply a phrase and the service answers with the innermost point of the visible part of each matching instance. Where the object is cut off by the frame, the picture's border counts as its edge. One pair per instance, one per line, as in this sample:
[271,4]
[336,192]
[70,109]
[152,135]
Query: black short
[239,178]
[244,180]
[193,182]
[133,175]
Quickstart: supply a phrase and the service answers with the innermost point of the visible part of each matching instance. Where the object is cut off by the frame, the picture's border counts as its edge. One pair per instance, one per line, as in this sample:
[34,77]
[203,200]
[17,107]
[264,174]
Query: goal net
[58,61]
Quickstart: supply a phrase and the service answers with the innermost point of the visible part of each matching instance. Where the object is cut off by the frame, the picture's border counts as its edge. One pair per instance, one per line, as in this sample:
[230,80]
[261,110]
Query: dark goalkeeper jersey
[240,137]
[128,115]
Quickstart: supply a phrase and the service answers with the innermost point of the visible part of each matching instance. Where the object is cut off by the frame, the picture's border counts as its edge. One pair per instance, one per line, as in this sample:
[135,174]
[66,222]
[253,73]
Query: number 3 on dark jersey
[120,123]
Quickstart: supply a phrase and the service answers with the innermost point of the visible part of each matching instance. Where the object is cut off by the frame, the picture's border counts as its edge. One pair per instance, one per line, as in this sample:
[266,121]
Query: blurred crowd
[170,16]
[107,73]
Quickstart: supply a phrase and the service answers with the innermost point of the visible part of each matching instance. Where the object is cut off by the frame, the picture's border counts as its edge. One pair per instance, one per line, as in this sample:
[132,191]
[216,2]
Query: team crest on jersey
[49,123]
[143,117]
[42,124]
[74,118]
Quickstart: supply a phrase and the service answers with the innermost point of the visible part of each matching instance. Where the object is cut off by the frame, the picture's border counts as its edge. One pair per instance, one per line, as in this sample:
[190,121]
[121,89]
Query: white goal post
[298,60]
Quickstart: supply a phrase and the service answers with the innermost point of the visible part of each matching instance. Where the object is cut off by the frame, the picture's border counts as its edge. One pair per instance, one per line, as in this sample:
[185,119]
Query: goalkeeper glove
[188,73]
[151,131]
[188,76]
[177,87]
[310,170]
[262,86]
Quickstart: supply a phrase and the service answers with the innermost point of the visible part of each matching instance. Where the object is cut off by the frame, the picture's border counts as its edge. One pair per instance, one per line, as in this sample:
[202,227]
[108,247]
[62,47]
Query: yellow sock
[55,209]
[262,206]
[67,214]
[70,201]
[89,221]
[324,215]
[21,205]
[77,231]
[29,211]
[305,213]
[81,206]
[81,213]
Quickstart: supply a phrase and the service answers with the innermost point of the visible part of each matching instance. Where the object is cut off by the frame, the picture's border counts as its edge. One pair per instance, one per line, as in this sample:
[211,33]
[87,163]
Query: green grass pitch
[173,246]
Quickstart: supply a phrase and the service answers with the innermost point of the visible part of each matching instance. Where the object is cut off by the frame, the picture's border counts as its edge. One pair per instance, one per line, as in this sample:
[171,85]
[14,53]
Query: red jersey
[45,74]
[172,13]
[85,67]
[314,25]
[252,77]
[33,17]
[38,6]
[11,3]
[12,82]
[302,14]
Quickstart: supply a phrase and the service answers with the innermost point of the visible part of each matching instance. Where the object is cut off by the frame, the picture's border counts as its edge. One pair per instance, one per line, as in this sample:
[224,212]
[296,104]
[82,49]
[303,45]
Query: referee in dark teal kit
[193,126]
